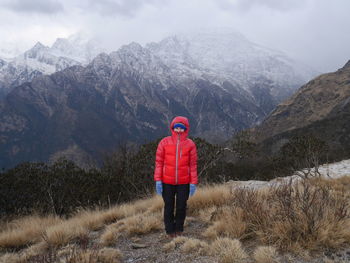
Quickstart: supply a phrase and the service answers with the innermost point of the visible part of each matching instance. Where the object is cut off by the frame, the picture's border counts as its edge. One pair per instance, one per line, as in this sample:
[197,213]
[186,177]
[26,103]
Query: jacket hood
[184,121]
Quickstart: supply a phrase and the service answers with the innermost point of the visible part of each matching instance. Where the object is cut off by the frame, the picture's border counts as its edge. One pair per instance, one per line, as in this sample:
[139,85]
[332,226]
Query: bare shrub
[302,155]
[291,216]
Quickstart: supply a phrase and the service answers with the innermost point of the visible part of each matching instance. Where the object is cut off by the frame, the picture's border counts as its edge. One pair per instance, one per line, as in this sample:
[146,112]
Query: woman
[176,174]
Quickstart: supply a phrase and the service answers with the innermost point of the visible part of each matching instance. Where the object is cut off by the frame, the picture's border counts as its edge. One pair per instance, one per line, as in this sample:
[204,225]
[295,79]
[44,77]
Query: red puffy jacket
[176,157]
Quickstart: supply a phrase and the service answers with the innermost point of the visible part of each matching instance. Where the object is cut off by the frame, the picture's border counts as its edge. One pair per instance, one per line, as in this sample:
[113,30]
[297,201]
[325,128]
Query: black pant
[181,191]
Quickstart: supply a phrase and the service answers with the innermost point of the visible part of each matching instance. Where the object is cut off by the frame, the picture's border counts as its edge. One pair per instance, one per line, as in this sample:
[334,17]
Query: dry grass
[187,245]
[338,186]
[265,254]
[110,236]
[230,224]
[135,224]
[195,246]
[141,224]
[61,234]
[57,231]
[209,196]
[109,255]
[228,250]
[206,214]
[309,215]
[173,244]
[26,230]
[69,254]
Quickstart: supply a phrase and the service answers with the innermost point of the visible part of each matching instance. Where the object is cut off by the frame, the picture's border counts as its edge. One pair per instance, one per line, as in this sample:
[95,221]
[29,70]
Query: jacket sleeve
[158,171]
[193,165]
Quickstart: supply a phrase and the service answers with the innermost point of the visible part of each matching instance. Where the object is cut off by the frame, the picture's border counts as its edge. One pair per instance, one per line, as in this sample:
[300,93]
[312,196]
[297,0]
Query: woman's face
[178,129]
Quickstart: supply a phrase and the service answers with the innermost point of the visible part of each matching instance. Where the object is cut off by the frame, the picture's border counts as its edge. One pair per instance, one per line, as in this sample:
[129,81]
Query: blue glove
[159,187]
[192,189]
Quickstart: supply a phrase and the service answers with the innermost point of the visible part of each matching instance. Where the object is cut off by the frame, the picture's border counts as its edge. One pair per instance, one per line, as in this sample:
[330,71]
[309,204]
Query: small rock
[135,239]
[138,245]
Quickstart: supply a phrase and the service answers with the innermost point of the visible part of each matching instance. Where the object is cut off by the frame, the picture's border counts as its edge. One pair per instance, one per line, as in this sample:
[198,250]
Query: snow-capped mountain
[225,55]
[218,55]
[127,96]
[79,47]
[131,95]
[41,59]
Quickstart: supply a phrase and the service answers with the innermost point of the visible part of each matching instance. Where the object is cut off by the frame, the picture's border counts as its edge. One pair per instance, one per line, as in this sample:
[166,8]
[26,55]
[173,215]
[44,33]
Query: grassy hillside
[304,221]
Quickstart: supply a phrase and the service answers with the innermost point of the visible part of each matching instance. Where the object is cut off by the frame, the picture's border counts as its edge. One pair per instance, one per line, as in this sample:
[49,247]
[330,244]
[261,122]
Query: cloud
[126,8]
[34,6]
[247,5]
[313,31]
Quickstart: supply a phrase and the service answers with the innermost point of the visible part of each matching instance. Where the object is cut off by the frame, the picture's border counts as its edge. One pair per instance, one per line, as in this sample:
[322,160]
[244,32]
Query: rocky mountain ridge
[41,60]
[131,95]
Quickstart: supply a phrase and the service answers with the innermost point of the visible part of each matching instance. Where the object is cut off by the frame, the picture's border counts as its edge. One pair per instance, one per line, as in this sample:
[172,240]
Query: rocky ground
[149,248]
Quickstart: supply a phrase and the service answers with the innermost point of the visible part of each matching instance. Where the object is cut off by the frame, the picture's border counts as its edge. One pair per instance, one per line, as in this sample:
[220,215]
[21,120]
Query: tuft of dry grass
[265,254]
[228,250]
[110,235]
[173,244]
[26,230]
[137,224]
[64,232]
[193,245]
[141,223]
[187,245]
[229,223]
[92,220]
[209,196]
[206,214]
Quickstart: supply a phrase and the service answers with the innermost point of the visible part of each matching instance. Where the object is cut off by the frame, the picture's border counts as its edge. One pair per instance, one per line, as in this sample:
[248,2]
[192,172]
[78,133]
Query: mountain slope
[320,107]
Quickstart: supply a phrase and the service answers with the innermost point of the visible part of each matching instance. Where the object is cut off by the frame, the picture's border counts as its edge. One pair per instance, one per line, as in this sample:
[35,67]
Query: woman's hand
[159,187]
[192,189]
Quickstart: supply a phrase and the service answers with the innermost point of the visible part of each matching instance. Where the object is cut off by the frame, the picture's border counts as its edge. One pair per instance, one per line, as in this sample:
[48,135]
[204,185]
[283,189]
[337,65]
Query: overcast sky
[316,32]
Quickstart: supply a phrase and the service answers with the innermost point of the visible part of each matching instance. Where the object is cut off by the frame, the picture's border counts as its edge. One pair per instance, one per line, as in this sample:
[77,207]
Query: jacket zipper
[177,150]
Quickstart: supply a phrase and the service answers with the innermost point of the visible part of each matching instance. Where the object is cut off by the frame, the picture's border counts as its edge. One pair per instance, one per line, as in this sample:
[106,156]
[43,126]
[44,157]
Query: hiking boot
[172,235]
